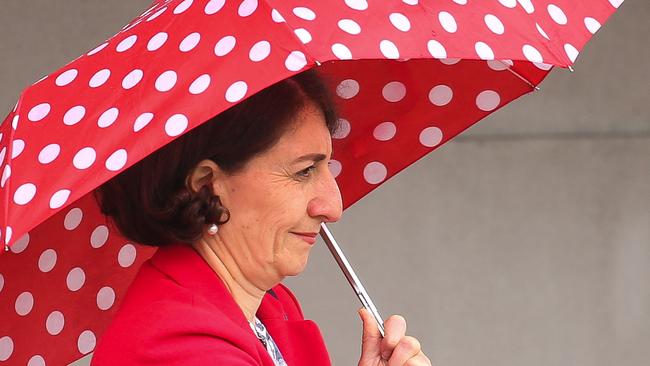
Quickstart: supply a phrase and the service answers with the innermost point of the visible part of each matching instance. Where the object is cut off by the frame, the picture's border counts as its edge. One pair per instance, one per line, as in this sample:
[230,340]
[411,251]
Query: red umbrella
[409,76]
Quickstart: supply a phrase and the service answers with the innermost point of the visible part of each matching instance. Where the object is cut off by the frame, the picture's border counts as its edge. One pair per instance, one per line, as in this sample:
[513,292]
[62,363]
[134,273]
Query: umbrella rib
[535,87]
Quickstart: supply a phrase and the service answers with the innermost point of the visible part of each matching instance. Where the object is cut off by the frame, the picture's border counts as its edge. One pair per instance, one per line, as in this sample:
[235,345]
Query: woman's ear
[205,172]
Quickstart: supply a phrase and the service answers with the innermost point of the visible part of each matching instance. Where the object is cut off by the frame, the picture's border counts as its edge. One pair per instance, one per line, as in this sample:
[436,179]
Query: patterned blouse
[260,331]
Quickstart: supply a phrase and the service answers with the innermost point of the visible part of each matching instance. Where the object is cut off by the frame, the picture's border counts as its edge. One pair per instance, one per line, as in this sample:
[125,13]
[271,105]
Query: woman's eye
[305,173]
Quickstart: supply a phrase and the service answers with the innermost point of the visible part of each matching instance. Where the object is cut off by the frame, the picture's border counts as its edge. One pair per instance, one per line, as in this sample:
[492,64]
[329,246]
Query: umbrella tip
[6,247]
[571,69]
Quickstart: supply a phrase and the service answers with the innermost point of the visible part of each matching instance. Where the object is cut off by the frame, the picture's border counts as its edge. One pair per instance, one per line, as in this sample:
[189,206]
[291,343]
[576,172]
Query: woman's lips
[308,237]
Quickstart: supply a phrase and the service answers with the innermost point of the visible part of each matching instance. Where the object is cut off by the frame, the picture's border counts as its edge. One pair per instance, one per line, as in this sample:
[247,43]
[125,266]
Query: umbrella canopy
[409,76]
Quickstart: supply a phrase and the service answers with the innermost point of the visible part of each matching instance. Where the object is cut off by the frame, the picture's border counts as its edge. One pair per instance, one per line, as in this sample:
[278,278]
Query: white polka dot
[460,2]
[616,3]
[349,26]
[374,172]
[24,303]
[17,148]
[74,115]
[47,260]
[541,31]
[488,100]
[542,66]
[66,77]
[182,7]
[388,49]
[97,49]
[132,79]
[410,2]
[199,85]
[105,298]
[357,4]
[394,91]
[440,95]
[295,61]
[571,52]
[494,24]
[8,233]
[99,78]
[142,121]
[448,22]
[343,130]
[384,131]
[55,322]
[189,42]
[6,348]
[126,255]
[400,21]
[259,51]
[498,65]
[508,3]
[277,17]
[21,244]
[166,81]
[303,35]
[39,112]
[236,92]
[341,51]
[59,198]
[225,45]
[532,54]
[99,236]
[86,342]
[557,14]
[304,13]
[430,136]
[108,117]
[36,360]
[247,7]
[117,160]
[436,49]
[176,125]
[126,43]
[592,25]
[24,194]
[527,5]
[73,218]
[335,167]
[156,14]
[157,41]
[6,173]
[3,152]
[347,89]
[84,158]
[14,122]
[75,279]
[484,51]
[214,6]
[2,282]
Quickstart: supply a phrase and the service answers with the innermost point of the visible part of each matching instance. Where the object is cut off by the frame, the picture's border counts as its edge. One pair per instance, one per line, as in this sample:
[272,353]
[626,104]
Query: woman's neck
[247,295]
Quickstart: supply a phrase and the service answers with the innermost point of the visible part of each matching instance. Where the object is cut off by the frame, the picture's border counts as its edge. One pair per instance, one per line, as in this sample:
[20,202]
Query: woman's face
[278,201]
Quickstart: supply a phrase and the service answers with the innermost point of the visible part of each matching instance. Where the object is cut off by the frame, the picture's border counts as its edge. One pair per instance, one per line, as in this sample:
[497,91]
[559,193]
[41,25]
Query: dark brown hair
[150,202]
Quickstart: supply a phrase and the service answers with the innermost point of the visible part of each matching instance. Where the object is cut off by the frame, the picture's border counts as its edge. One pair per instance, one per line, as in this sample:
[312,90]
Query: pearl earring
[213,229]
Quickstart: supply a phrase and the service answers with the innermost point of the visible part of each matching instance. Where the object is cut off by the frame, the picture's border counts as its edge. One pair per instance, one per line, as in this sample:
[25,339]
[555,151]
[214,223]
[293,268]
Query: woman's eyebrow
[315,157]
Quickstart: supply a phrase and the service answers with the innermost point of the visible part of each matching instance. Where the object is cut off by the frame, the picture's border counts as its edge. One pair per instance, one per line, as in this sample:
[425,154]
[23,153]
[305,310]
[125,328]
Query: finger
[371,338]
[394,331]
[407,349]
[419,360]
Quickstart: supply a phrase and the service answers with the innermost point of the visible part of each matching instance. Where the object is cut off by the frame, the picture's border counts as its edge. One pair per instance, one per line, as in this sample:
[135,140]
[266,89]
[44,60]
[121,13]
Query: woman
[234,207]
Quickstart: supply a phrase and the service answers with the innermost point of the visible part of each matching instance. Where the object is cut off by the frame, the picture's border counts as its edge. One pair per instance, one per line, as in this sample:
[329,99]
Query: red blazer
[178,312]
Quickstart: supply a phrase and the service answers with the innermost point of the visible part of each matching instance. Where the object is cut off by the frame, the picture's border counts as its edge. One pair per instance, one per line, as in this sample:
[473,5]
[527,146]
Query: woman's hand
[394,349]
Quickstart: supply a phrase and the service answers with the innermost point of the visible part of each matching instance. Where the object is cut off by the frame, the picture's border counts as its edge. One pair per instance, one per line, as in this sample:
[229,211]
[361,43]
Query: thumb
[371,338]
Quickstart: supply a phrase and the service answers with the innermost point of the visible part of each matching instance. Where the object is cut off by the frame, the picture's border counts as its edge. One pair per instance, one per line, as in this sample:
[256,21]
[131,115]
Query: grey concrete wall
[526,241]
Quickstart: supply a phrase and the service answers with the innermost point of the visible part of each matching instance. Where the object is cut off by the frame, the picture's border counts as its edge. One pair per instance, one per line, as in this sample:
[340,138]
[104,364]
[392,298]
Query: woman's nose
[326,203]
